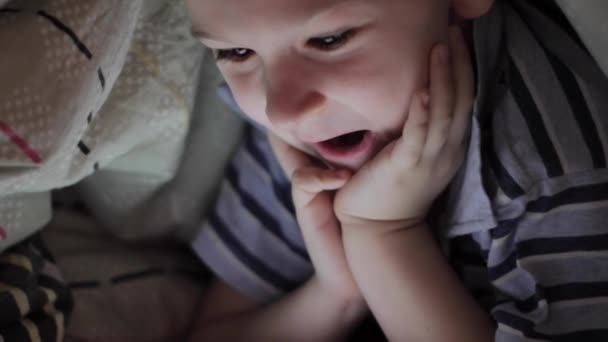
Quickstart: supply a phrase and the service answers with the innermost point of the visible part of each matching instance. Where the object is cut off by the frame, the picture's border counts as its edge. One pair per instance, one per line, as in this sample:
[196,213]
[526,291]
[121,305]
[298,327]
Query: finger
[409,148]
[323,238]
[464,85]
[319,226]
[314,208]
[307,182]
[442,100]
[289,157]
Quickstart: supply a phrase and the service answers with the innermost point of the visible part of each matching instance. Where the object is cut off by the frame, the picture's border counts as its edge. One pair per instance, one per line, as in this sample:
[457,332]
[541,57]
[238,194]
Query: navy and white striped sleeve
[551,266]
[542,271]
[251,239]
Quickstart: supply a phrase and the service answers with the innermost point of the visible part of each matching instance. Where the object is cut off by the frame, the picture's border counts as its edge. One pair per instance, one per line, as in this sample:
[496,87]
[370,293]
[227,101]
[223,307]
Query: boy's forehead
[207,14]
[269,6]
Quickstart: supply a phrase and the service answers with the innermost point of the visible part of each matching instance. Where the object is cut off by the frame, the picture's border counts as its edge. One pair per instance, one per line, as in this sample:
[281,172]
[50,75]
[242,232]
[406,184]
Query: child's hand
[396,189]
[313,194]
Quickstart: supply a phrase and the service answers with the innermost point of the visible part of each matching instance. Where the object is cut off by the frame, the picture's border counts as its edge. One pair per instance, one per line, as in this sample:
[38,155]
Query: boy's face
[333,78]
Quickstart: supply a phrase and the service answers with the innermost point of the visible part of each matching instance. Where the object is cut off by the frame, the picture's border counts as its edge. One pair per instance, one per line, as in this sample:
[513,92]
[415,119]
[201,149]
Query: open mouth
[348,149]
[346,141]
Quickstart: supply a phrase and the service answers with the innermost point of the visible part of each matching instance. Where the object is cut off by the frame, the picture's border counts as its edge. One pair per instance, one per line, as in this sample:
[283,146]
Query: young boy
[351,84]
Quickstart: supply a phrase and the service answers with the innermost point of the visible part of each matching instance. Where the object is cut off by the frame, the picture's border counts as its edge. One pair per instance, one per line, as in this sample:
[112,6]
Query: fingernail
[425,98]
[341,173]
[444,54]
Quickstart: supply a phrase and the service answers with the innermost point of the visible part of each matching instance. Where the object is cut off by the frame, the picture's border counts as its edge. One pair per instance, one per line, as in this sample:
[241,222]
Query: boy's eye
[332,42]
[233,55]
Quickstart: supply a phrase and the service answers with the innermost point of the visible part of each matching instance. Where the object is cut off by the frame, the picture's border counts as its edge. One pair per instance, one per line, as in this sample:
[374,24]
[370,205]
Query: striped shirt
[526,218]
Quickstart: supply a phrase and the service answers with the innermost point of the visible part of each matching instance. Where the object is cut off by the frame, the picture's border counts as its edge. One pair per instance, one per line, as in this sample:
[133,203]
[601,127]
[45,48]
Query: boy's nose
[291,96]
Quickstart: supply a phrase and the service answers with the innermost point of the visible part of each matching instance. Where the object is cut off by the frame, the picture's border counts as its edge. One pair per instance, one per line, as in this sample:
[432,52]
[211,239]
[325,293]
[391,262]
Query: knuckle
[445,104]
[465,102]
[298,176]
[317,182]
[301,178]
[444,129]
[409,159]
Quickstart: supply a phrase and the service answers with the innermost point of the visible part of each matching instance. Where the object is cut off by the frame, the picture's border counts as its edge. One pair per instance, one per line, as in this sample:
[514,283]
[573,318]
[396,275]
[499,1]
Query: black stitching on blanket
[102,78]
[138,275]
[197,275]
[78,285]
[10,10]
[84,148]
[63,27]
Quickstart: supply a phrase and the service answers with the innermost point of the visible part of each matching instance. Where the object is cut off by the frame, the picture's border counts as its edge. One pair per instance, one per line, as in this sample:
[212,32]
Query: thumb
[308,182]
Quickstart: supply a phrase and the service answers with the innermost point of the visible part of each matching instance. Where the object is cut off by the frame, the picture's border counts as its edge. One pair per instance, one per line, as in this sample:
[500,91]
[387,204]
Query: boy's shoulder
[538,128]
[548,122]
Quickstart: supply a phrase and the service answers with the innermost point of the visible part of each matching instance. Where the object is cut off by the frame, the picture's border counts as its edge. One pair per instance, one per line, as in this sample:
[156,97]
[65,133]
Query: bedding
[99,96]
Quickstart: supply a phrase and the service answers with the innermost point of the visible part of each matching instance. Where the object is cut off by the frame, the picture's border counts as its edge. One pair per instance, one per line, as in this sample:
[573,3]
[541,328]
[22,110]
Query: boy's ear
[470,9]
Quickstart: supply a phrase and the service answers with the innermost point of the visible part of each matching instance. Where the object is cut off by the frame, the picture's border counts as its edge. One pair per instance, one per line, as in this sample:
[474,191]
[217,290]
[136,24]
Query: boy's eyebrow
[200,34]
[206,37]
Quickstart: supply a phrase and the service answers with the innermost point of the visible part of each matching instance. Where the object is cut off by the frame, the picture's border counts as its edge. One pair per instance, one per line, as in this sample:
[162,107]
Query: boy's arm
[411,288]
[307,314]
[327,306]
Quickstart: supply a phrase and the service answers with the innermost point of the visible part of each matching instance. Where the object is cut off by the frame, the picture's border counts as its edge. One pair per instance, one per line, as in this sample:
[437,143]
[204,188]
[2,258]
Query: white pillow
[150,187]
[59,60]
